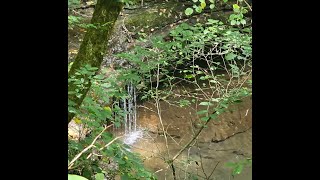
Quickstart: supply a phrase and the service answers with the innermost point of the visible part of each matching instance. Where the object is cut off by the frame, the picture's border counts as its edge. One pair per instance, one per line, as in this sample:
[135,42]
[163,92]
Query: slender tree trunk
[94,45]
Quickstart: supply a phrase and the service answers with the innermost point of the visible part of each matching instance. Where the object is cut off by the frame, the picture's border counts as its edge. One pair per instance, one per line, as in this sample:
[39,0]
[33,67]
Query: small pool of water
[229,140]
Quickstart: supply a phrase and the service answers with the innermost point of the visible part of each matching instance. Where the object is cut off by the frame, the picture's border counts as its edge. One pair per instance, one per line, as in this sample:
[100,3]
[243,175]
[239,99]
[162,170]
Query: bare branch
[87,148]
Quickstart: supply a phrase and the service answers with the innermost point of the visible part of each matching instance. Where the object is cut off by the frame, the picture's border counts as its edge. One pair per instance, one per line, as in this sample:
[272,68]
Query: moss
[94,44]
[154,17]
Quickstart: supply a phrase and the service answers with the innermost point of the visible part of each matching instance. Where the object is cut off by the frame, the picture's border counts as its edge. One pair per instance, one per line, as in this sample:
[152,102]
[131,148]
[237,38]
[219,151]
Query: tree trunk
[94,45]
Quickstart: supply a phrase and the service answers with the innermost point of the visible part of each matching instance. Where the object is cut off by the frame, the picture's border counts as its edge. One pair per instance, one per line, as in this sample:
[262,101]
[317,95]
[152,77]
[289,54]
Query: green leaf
[205,104]
[237,170]
[230,56]
[195,0]
[232,16]
[212,6]
[189,76]
[188,11]
[198,9]
[204,118]
[213,116]
[233,22]
[202,112]
[234,67]
[215,99]
[203,5]
[235,6]
[204,77]
[201,1]
[76,177]
[225,1]
[213,81]
[211,21]
[243,21]
[212,1]
[99,176]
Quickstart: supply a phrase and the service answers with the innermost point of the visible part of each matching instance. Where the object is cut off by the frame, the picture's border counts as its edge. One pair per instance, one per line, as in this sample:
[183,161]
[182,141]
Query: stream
[226,140]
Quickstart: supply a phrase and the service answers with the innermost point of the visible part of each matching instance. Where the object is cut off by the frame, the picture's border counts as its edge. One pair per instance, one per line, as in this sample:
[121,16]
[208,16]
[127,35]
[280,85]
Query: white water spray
[130,117]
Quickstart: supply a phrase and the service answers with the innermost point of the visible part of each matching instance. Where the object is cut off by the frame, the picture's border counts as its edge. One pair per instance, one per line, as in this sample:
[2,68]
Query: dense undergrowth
[215,58]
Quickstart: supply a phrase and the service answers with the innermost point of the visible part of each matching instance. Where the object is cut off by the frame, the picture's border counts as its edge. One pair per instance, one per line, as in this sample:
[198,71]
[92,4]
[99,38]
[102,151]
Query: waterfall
[130,117]
[129,120]
[129,106]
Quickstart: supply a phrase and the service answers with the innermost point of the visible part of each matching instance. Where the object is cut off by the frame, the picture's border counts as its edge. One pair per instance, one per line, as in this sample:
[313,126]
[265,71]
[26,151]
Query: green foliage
[238,167]
[76,177]
[188,11]
[73,3]
[96,109]
[184,102]
[129,2]
[99,176]
[72,20]
[220,47]
[237,18]
[213,57]
[75,20]
[199,6]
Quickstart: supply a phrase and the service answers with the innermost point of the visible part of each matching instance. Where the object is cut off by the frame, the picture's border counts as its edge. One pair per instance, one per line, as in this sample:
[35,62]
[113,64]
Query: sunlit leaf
[189,76]
[77,121]
[76,177]
[203,5]
[188,11]
[205,104]
[107,108]
[235,6]
[99,176]
[237,169]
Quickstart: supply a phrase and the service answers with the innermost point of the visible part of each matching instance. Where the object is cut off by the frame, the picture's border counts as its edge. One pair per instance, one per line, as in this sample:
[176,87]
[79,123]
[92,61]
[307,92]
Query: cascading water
[129,105]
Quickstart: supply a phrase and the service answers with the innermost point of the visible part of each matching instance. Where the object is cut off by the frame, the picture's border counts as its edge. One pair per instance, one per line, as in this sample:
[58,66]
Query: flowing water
[228,140]
[129,105]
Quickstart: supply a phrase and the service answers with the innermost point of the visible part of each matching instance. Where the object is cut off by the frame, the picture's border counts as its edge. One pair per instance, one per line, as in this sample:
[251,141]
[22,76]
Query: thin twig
[213,170]
[248,5]
[188,144]
[87,148]
[146,108]
[105,145]
[201,161]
